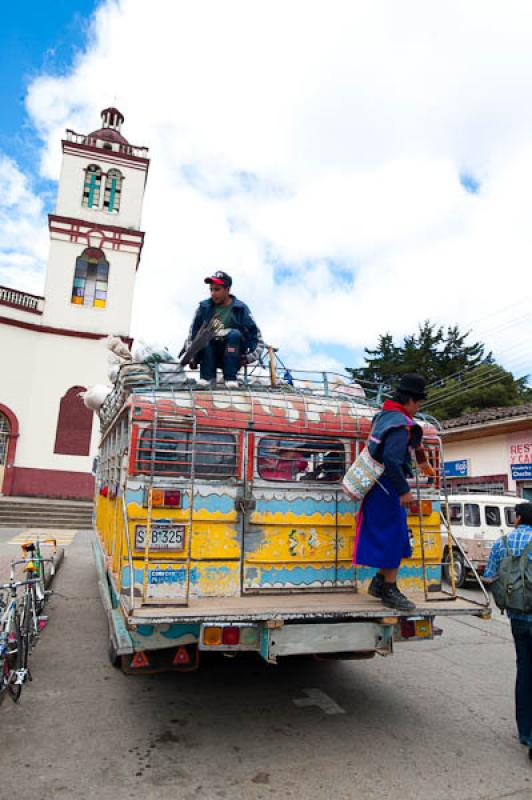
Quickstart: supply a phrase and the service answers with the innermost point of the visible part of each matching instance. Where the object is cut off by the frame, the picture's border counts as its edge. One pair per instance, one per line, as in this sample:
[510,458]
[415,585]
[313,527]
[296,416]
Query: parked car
[476,521]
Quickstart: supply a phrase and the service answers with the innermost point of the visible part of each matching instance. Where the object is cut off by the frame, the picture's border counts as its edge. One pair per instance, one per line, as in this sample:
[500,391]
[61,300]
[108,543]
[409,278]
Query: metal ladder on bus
[434,592]
[174,601]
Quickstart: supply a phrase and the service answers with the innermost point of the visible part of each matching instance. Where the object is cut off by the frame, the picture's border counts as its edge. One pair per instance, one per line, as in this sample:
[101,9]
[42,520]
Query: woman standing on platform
[382,538]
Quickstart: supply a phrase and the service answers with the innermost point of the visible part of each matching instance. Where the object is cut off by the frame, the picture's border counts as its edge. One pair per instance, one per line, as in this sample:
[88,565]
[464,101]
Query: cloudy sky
[357,167]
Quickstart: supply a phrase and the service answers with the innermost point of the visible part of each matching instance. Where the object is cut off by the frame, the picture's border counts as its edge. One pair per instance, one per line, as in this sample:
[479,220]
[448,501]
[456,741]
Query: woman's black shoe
[393,598]
[375,587]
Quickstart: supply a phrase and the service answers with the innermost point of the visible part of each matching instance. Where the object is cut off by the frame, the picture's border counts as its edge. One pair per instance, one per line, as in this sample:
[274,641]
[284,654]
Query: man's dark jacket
[252,343]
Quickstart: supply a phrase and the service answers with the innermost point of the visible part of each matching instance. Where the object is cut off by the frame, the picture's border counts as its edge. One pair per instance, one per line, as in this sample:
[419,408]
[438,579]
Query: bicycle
[14,647]
[32,620]
[36,557]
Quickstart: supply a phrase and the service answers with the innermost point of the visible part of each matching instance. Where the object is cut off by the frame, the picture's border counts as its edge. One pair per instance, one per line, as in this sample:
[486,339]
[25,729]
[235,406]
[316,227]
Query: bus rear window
[301,460]
[472,515]
[174,453]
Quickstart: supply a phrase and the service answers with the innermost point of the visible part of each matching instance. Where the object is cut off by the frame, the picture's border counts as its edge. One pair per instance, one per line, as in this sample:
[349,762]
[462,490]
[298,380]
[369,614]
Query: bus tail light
[165,498]
[212,635]
[231,635]
[426,507]
[172,498]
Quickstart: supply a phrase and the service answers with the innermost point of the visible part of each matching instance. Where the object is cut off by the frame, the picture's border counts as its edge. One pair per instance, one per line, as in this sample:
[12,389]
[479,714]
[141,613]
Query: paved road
[434,721]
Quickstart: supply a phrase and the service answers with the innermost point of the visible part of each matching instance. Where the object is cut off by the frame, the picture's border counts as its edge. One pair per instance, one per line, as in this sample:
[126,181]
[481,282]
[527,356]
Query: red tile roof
[488,415]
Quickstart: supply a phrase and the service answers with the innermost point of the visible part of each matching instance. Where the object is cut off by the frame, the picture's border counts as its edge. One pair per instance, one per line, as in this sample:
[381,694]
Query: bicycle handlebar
[14,584]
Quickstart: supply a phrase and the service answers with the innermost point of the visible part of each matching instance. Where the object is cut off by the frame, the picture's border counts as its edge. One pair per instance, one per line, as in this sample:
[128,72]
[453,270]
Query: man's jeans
[522,633]
[222,353]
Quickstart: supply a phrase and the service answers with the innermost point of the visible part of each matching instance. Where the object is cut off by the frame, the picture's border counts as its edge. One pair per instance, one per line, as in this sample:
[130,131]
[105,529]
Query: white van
[477,520]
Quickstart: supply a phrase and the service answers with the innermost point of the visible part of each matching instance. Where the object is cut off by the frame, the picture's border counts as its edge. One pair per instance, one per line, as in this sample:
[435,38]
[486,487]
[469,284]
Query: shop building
[490,451]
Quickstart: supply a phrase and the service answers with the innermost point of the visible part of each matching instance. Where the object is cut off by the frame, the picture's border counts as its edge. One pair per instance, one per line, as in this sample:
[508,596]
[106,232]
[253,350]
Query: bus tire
[459,569]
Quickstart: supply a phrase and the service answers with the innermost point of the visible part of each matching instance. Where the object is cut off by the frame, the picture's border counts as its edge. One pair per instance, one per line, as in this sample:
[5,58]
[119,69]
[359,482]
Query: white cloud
[328,139]
[23,234]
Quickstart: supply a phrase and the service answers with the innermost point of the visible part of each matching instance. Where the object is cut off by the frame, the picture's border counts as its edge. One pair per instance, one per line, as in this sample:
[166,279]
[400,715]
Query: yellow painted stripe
[32,534]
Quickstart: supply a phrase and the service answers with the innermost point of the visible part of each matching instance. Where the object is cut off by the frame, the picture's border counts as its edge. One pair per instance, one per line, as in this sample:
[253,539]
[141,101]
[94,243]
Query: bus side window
[493,515]
[509,515]
[472,515]
[215,455]
[301,460]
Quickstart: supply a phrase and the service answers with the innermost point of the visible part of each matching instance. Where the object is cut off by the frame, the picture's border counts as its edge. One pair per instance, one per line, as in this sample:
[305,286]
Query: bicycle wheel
[11,662]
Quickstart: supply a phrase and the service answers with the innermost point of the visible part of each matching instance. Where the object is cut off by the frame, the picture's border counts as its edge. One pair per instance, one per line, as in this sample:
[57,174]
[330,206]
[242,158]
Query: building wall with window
[493,449]
[53,346]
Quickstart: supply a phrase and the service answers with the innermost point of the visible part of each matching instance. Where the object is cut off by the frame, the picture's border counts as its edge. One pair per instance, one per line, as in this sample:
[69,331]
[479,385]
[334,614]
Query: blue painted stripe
[172,631]
[305,575]
[212,503]
[304,506]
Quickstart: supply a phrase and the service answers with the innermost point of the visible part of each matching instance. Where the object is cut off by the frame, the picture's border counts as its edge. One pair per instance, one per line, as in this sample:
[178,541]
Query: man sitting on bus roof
[239,342]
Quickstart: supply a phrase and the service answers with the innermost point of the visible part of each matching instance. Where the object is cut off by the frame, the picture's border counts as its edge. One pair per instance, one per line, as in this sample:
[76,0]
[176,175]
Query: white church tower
[53,347]
[95,233]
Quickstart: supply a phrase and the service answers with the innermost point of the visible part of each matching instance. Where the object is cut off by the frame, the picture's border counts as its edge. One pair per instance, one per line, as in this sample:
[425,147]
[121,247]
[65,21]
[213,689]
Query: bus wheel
[459,569]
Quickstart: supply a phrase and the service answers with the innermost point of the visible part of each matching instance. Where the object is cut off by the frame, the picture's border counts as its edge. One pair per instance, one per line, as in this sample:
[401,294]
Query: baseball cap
[220,279]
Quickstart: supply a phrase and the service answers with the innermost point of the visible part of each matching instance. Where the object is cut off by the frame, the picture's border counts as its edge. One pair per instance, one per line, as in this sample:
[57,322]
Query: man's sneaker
[202,383]
[232,385]
[393,598]
[375,587]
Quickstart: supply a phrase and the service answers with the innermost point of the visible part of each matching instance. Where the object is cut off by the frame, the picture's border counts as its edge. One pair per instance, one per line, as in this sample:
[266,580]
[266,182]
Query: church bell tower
[95,235]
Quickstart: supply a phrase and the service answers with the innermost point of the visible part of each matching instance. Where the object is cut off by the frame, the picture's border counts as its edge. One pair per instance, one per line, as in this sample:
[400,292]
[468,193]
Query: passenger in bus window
[239,341]
[382,538]
[284,463]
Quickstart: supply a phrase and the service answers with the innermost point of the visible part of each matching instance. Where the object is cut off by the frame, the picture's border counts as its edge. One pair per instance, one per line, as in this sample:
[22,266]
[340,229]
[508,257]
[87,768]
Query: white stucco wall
[487,456]
[37,370]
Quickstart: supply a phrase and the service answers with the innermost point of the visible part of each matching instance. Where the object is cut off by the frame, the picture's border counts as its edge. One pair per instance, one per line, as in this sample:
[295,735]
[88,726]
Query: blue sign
[166,575]
[521,472]
[456,469]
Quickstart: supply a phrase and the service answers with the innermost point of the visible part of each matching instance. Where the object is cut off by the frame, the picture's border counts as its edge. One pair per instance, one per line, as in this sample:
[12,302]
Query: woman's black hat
[413,385]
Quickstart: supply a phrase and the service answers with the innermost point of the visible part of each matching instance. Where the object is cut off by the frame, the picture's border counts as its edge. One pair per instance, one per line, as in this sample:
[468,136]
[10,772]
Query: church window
[113,190]
[90,279]
[74,425]
[92,186]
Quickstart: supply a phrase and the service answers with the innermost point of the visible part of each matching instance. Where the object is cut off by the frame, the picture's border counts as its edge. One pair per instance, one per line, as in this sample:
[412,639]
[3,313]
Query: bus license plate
[162,537]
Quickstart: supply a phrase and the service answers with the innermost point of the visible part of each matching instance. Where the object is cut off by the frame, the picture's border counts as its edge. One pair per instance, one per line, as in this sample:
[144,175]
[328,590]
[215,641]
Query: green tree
[461,376]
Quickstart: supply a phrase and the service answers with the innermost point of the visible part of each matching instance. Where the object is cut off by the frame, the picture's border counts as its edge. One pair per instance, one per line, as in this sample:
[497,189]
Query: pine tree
[460,375]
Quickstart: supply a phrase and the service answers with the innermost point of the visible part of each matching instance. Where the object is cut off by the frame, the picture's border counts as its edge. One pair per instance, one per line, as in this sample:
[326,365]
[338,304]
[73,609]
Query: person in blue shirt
[521,623]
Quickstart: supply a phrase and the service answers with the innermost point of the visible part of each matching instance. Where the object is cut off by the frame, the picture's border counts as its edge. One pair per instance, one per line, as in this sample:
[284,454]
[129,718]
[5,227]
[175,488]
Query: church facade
[53,346]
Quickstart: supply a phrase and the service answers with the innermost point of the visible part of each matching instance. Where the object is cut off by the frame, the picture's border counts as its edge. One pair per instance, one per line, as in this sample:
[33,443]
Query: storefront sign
[457,469]
[521,472]
[520,455]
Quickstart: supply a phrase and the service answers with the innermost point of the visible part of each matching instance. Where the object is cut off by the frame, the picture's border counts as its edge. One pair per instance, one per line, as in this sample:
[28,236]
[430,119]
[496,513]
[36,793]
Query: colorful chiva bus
[210,495]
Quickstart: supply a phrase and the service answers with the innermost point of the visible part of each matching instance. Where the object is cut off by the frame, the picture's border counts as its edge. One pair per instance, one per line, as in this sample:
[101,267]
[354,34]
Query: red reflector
[172,498]
[181,656]
[408,628]
[414,508]
[230,635]
[139,660]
